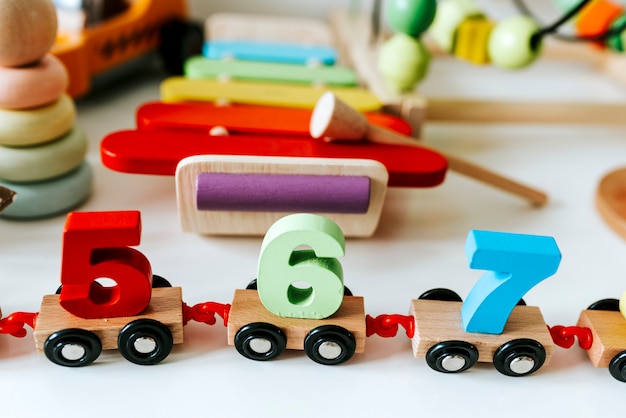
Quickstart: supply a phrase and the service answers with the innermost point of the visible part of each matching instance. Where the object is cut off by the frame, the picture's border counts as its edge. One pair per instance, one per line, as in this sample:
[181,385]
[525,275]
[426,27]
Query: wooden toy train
[299,301]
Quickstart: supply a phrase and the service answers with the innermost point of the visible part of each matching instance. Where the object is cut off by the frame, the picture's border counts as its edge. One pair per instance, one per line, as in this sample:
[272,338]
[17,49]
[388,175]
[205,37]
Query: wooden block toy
[16,84]
[43,161]
[177,89]
[472,38]
[242,119]
[200,67]
[515,263]
[523,347]
[50,197]
[260,335]
[610,200]
[159,152]
[279,52]
[146,338]
[241,195]
[25,127]
[245,27]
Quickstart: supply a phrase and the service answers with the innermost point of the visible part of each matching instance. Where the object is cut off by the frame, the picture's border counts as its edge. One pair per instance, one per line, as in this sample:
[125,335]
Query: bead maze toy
[42,151]
[460,27]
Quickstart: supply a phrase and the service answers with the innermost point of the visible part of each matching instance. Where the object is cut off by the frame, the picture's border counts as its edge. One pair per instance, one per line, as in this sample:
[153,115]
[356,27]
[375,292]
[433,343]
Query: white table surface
[418,246]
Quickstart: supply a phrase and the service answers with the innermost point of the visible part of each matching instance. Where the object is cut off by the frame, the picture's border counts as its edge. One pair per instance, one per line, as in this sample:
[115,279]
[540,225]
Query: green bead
[566,5]
[412,17]
[510,43]
[450,14]
[616,42]
[403,61]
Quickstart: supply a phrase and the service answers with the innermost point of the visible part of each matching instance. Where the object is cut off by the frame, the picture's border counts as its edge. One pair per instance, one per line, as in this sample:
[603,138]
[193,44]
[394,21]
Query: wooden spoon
[611,200]
[333,119]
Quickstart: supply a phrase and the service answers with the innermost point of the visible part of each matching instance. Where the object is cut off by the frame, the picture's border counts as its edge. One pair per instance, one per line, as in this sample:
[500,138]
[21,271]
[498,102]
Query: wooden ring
[44,161]
[36,126]
[34,86]
[49,198]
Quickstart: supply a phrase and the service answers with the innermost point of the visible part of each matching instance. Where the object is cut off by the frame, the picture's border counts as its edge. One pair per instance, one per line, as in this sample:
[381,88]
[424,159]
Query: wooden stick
[335,119]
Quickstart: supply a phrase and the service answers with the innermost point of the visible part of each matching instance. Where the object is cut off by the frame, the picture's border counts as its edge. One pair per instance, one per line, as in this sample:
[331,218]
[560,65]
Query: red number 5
[95,246]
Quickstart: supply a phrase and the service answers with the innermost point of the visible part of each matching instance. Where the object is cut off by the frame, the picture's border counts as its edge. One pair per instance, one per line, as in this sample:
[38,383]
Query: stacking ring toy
[36,126]
[33,86]
[42,162]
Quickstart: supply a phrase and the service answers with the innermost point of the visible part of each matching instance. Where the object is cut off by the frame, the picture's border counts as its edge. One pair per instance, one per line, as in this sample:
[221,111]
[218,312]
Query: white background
[418,246]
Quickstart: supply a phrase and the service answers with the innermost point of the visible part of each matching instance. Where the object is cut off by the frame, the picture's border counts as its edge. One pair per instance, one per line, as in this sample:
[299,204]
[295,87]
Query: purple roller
[282,193]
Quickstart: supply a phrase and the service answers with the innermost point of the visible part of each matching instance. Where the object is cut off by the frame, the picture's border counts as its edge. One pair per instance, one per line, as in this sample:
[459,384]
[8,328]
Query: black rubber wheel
[452,356]
[145,342]
[180,40]
[260,341]
[521,302]
[617,367]
[72,347]
[519,357]
[330,345]
[253,286]
[605,305]
[441,294]
[158,282]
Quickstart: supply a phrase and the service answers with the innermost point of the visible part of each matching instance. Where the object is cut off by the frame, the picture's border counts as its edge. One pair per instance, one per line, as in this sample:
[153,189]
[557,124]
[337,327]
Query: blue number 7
[515,264]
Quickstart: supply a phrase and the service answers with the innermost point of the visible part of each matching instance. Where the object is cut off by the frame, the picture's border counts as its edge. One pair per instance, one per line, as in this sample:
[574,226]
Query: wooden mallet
[333,119]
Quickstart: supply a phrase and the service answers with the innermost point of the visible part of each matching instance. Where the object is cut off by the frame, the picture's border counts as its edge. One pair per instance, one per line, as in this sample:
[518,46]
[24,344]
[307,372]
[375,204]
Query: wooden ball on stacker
[28,30]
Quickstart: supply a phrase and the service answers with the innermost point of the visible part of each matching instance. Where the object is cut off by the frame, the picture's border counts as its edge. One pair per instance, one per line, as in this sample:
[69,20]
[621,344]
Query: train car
[606,322]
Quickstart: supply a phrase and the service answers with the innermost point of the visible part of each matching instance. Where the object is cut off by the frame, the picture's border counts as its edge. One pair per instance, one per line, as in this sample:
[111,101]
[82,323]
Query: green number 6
[301,283]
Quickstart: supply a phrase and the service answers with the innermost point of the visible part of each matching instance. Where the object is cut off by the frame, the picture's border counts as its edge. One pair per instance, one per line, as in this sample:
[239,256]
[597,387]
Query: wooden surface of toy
[267,28]
[242,119]
[252,328]
[33,24]
[160,151]
[146,338]
[121,39]
[610,202]
[336,120]
[267,51]
[608,328]
[522,348]
[245,195]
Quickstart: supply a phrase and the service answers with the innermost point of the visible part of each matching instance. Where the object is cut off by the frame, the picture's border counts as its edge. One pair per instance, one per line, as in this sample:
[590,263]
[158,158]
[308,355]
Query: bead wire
[552,29]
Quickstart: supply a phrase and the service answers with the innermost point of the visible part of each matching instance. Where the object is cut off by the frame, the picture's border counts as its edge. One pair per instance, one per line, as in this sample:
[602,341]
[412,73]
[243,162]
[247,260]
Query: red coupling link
[15,324]
[386,326]
[565,336]
[205,312]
